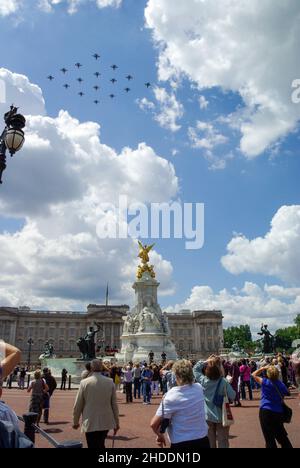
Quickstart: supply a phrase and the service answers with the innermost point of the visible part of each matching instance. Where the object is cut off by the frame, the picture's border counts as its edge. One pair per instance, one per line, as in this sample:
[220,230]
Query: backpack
[12,437]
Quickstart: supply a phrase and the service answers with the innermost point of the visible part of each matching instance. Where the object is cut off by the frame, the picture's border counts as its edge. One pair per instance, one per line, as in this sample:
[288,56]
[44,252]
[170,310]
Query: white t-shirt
[185,407]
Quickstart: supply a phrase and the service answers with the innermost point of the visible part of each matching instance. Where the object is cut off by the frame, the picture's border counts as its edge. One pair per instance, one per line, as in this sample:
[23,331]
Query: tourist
[146,376]
[51,382]
[209,375]
[151,357]
[38,388]
[9,358]
[22,377]
[64,376]
[234,373]
[87,372]
[155,380]
[245,376]
[271,407]
[128,378]
[184,407]
[96,402]
[168,377]
[137,373]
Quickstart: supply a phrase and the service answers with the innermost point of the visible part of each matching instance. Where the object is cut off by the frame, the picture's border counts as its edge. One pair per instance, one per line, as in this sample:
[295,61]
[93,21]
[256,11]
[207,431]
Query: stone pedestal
[146,328]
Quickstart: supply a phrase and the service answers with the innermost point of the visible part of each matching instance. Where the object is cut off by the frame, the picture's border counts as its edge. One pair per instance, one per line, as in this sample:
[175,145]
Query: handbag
[287,411]
[218,399]
[227,416]
[165,422]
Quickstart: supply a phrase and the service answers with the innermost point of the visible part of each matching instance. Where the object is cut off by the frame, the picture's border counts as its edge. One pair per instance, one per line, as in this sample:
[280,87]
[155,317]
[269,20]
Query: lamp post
[30,343]
[12,138]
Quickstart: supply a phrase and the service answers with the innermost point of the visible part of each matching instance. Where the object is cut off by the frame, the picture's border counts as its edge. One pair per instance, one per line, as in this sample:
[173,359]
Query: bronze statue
[87,345]
[267,340]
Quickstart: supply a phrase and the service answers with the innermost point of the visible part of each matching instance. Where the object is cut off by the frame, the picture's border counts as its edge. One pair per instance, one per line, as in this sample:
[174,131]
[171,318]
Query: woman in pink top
[245,373]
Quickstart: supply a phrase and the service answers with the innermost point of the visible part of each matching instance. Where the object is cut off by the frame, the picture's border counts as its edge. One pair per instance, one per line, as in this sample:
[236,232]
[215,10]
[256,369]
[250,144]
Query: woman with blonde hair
[182,412]
[9,358]
[271,414]
[38,387]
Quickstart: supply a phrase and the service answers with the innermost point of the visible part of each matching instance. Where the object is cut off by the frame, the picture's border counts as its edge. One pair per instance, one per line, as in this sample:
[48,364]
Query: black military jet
[112,96]
[96,88]
[81,94]
[114,67]
[96,102]
[96,56]
[127,90]
[64,70]
[80,80]
[148,85]
[66,86]
[50,77]
[78,65]
[113,80]
[97,74]
[129,77]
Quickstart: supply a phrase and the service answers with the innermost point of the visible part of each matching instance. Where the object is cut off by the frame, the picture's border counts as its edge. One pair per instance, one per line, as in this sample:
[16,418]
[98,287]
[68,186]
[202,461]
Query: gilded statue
[144,256]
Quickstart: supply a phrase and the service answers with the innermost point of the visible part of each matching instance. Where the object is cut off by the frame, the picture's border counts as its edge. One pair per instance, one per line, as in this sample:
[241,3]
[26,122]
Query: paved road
[135,431]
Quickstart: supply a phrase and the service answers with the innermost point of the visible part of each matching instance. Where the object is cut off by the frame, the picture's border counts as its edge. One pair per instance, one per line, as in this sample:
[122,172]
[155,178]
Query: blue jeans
[147,391]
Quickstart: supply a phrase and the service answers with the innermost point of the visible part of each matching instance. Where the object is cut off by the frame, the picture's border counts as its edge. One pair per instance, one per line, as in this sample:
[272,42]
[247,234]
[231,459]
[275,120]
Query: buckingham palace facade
[195,334]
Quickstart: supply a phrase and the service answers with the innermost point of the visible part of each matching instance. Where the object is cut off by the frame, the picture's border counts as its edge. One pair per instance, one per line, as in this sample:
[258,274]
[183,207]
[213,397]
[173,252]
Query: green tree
[285,336]
[241,335]
[297,321]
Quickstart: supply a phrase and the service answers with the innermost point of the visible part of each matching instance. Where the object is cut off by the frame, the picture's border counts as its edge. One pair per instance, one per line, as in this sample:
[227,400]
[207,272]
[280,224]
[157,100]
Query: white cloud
[166,111]
[170,110]
[206,137]
[203,102]
[73,5]
[8,7]
[249,47]
[56,184]
[276,254]
[251,304]
[145,105]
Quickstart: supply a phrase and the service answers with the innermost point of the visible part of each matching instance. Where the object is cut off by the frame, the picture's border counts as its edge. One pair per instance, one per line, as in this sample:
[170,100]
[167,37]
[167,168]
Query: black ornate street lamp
[30,343]
[12,138]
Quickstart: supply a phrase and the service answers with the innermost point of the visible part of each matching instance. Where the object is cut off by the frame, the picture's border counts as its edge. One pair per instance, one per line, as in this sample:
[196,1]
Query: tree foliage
[240,335]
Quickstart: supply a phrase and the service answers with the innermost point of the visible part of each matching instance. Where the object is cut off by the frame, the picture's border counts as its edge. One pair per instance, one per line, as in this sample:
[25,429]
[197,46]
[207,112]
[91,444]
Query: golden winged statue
[144,256]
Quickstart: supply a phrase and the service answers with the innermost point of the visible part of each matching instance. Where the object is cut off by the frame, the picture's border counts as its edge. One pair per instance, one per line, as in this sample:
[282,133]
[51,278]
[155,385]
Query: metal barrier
[30,429]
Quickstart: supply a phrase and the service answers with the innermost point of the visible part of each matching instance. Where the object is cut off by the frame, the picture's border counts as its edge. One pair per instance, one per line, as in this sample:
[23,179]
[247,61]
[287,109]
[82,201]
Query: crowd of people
[195,409]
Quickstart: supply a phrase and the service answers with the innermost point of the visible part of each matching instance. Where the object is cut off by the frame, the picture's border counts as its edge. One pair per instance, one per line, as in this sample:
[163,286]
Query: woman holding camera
[210,375]
[182,412]
[9,358]
[271,411]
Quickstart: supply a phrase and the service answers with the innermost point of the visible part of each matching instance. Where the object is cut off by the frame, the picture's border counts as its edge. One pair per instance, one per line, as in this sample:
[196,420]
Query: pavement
[135,421]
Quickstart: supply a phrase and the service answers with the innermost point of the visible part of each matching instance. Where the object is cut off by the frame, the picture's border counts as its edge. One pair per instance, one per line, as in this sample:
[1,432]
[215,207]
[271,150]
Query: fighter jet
[114,67]
[112,96]
[96,88]
[96,102]
[129,77]
[113,80]
[96,56]
[64,70]
[78,65]
[66,86]
[148,85]
[97,74]
[50,77]
[81,94]
[127,90]
[80,80]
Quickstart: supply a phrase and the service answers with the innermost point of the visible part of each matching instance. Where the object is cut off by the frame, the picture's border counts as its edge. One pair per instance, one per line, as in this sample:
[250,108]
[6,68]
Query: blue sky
[242,197]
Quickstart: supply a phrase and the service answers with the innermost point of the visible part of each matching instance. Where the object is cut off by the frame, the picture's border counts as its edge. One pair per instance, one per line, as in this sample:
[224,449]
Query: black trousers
[192,444]
[96,440]
[273,429]
[243,391]
[128,389]
[63,385]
